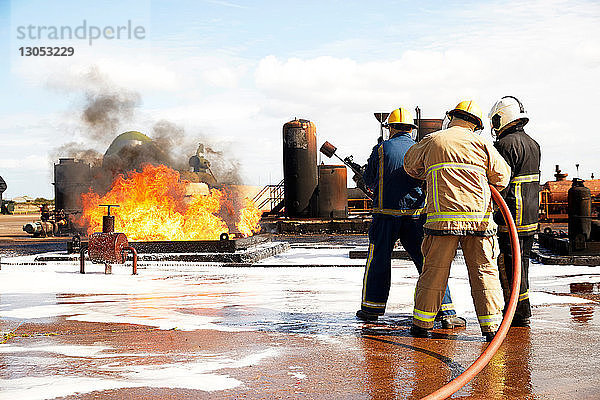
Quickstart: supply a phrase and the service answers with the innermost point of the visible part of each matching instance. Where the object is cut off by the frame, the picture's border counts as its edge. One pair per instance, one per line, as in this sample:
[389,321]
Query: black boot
[489,336]
[417,331]
[366,316]
[520,322]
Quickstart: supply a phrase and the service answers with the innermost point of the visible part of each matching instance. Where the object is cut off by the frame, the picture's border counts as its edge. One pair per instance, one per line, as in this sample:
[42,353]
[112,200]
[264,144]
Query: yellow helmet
[470,110]
[401,116]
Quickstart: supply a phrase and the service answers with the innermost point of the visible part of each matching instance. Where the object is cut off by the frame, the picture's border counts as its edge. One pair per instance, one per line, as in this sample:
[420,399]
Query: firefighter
[522,153]
[458,165]
[397,214]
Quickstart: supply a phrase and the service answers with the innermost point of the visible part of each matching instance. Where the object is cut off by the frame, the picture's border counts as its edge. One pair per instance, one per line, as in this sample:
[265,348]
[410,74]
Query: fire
[153,206]
[249,217]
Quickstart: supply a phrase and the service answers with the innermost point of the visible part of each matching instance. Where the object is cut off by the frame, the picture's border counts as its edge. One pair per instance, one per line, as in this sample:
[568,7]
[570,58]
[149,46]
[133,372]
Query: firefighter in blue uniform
[398,213]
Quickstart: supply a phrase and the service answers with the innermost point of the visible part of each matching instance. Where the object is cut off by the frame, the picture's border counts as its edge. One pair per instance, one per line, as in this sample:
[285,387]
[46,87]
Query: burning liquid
[153,206]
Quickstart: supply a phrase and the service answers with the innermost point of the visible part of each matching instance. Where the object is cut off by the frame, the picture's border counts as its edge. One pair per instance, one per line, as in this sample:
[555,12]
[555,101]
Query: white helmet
[507,112]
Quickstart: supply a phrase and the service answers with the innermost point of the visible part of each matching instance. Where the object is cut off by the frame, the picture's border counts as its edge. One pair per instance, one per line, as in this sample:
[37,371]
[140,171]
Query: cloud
[225,77]
[543,54]
[29,163]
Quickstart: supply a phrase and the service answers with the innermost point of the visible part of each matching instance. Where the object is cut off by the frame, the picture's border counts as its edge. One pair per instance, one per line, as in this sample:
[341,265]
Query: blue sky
[232,72]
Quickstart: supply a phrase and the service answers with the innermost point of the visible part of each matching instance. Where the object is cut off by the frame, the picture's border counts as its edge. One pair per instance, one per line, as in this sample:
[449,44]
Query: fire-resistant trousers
[383,234]
[523,311]
[480,253]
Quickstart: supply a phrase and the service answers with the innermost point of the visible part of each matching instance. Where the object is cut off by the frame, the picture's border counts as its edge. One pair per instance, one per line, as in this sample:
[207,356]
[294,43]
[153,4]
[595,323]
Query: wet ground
[188,331]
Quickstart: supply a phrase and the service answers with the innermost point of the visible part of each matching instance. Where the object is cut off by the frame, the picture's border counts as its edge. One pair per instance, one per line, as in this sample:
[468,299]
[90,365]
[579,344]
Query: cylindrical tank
[580,214]
[107,247]
[595,231]
[300,168]
[40,228]
[426,126]
[71,179]
[333,195]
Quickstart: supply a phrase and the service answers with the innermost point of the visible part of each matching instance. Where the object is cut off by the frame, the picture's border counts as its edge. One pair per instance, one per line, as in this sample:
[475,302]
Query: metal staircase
[271,195]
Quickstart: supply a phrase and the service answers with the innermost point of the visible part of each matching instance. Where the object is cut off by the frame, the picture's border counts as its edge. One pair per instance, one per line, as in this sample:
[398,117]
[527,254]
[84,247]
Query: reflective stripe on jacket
[395,192]
[458,166]
[522,153]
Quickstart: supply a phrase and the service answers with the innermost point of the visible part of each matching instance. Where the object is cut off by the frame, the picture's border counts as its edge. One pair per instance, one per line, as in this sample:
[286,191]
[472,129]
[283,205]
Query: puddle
[584,288]
[581,314]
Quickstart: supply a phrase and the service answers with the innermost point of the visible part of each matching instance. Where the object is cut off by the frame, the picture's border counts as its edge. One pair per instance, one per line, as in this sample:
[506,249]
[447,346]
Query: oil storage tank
[425,126]
[71,179]
[580,214]
[300,168]
[333,194]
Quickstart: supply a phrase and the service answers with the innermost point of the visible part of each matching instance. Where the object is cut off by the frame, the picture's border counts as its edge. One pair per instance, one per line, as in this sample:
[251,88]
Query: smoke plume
[108,110]
[79,152]
[105,112]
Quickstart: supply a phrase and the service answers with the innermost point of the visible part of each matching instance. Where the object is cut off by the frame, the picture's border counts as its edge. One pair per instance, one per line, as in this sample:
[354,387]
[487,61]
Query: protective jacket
[395,193]
[458,165]
[522,153]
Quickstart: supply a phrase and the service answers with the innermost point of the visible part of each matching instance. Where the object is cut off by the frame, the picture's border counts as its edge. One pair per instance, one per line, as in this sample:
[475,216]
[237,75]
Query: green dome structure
[130,138]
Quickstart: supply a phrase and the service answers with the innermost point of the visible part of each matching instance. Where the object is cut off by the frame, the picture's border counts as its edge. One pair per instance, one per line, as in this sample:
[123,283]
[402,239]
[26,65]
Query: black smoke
[107,110]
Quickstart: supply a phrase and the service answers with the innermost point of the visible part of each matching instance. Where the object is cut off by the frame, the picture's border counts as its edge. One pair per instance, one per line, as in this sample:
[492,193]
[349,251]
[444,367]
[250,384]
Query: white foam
[195,375]
[297,375]
[165,295]
[191,296]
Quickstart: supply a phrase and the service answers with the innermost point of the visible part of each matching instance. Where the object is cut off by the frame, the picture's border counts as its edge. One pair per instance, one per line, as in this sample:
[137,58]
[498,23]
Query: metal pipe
[82,251]
[211,174]
[135,257]
[455,385]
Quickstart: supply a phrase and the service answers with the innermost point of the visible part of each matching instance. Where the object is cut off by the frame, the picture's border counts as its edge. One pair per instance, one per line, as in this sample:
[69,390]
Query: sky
[233,72]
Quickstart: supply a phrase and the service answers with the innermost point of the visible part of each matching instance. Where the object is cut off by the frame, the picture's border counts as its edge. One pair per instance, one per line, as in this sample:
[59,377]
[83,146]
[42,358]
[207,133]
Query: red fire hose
[455,385]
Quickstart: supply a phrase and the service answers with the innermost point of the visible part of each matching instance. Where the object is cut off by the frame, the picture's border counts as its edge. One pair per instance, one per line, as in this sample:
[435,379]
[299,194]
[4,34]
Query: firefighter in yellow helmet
[458,166]
[397,215]
[469,111]
[401,116]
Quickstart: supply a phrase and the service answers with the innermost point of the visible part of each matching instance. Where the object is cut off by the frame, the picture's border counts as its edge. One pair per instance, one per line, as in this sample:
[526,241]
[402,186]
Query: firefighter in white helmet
[459,166]
[397,215]
[522,153]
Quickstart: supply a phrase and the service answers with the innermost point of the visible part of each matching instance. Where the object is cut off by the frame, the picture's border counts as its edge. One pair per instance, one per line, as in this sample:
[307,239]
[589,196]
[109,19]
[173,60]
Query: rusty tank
[554,197]
[72,178]
[333,194]
[427,126]
[300,168]
[107,247]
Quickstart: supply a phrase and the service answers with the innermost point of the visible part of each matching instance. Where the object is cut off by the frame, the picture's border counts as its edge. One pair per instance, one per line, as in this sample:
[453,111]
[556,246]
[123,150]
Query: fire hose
[455,385]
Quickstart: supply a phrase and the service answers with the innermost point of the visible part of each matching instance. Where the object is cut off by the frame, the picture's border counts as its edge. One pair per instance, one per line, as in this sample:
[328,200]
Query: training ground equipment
[329,150]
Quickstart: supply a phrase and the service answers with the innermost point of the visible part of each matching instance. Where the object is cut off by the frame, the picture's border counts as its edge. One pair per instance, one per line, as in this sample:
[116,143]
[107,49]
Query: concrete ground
[277,330]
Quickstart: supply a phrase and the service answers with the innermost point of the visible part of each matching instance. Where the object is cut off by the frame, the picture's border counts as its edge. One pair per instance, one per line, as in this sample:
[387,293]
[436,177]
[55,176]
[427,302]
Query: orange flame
[153,206]
[249,217]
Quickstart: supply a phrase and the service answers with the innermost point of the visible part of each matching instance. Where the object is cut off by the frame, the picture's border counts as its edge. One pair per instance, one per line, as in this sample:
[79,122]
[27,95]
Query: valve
[108,221]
